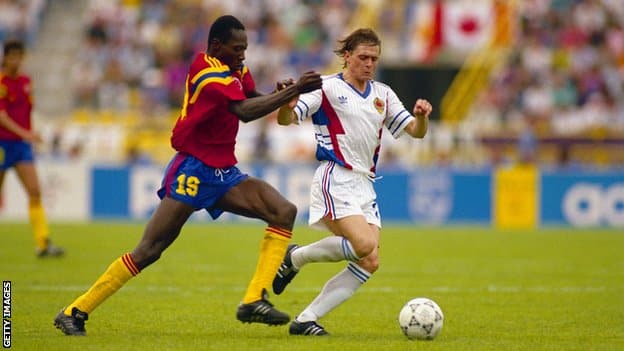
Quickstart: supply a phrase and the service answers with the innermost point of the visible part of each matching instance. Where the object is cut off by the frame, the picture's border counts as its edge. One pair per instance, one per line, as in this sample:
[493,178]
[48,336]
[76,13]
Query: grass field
[556,289]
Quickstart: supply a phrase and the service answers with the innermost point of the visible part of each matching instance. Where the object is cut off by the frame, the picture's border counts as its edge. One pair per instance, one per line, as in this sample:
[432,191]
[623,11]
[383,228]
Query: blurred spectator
[20,19]
[528,143]
[113,92]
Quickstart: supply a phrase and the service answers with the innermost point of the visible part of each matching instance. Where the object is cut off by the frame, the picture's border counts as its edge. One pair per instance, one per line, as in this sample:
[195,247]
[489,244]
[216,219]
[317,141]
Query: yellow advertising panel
[515,197]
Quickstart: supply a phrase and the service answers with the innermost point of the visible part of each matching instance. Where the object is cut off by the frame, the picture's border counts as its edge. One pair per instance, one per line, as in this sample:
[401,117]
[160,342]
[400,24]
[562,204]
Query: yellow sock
[117,274]
[272,252]
[39,224]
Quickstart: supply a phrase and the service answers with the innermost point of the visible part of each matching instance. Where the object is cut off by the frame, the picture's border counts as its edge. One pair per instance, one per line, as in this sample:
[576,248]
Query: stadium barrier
[504,197]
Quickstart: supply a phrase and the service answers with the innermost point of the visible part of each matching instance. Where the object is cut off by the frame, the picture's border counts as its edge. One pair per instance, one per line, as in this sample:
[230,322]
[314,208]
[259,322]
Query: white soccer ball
[421,318]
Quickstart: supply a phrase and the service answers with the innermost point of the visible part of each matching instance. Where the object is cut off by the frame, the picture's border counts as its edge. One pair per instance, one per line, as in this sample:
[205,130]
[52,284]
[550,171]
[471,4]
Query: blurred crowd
[20,19]
[137,52]
[565,75]
[562,80]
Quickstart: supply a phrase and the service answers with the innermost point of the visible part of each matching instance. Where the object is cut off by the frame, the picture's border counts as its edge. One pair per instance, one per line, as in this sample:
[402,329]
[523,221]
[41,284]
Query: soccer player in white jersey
[349,115]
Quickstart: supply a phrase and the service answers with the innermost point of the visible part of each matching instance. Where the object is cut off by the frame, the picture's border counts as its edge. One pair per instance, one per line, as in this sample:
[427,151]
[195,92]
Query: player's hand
[33,138]
[308,82]
[422,108]
[282,84]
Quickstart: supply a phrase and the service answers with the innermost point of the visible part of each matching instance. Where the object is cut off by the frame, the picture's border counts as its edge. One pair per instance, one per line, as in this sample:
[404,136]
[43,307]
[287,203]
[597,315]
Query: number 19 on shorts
[187,185]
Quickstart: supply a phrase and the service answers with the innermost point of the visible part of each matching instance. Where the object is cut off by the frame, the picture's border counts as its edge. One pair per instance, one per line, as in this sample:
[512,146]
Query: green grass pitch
[552,289]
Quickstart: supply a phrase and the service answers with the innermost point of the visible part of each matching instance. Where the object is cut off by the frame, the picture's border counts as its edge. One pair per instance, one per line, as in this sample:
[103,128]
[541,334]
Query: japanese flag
[467,24]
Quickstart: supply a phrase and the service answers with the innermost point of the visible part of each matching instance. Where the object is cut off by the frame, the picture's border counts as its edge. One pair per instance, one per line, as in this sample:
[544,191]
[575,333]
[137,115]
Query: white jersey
[348,124]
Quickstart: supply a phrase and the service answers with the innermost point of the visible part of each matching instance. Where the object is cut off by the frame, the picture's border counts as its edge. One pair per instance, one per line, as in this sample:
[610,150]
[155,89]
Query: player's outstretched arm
[418,127]
[282,84]
[251,109]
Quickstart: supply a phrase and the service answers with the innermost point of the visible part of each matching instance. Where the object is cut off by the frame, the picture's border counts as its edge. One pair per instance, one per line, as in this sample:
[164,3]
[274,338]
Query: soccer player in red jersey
[16,139]
[220,92]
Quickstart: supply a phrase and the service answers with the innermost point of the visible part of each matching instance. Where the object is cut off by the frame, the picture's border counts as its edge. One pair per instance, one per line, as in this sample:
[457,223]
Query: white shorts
[338,192]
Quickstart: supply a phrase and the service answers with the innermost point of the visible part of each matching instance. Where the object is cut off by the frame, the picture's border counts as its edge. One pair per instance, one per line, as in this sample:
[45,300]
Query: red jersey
[16,101]
[206,129]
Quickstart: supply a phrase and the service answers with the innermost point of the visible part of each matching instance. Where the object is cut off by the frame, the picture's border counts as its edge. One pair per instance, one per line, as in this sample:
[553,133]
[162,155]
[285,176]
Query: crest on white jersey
[379,105]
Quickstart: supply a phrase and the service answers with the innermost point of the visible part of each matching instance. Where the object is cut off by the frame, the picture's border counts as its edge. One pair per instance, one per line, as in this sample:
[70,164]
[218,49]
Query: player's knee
[370,263]
[290,212]
[285,216]
[364,246]
[145,255]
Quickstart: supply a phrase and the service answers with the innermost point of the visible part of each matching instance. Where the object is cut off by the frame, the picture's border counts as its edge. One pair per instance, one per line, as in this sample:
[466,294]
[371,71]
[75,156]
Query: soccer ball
[421,318]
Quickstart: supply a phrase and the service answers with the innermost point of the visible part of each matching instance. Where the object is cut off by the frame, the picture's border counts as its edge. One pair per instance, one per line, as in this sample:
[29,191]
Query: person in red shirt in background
[16,139]
[220,92]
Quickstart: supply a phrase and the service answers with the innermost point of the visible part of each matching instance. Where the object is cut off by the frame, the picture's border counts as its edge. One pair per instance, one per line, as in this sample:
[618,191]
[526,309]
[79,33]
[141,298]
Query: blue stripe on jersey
[323,139]
[301,115]
[306,106]
[395,118]
[208,75]
[322,154]
[398,126]
[320,118]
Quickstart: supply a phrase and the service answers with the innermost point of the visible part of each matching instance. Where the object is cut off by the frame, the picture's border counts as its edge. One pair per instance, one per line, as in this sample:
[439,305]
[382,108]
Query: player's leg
[354,239]
[341,201]
[162,229]
[27,174]
[2,174]
[339,247]
[4,162]
[255,198]
[337,290]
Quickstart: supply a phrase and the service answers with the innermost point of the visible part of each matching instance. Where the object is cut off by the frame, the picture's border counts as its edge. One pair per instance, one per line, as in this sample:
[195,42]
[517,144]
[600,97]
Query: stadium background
[535,145]
[528,127]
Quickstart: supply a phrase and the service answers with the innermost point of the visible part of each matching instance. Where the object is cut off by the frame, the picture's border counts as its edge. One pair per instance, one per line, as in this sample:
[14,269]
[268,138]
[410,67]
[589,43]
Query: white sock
[336,291]
[329,249]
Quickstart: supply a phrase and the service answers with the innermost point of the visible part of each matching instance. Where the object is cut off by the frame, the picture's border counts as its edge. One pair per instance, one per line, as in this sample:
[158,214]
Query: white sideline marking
[495,289]
[521,289]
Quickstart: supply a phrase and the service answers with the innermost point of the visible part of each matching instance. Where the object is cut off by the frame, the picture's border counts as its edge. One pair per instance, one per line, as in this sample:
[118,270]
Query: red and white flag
[460,25]
[467,24]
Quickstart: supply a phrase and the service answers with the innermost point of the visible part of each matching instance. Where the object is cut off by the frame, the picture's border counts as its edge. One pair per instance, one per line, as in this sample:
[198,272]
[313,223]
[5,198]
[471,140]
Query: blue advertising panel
[583,199]
[428,196]
[424,196]
[472,197]
[434,196]
[110,191]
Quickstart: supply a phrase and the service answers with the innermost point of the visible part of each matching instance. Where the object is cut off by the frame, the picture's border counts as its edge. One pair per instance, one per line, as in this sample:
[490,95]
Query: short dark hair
[222,27]
[364,36]
[12,45]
